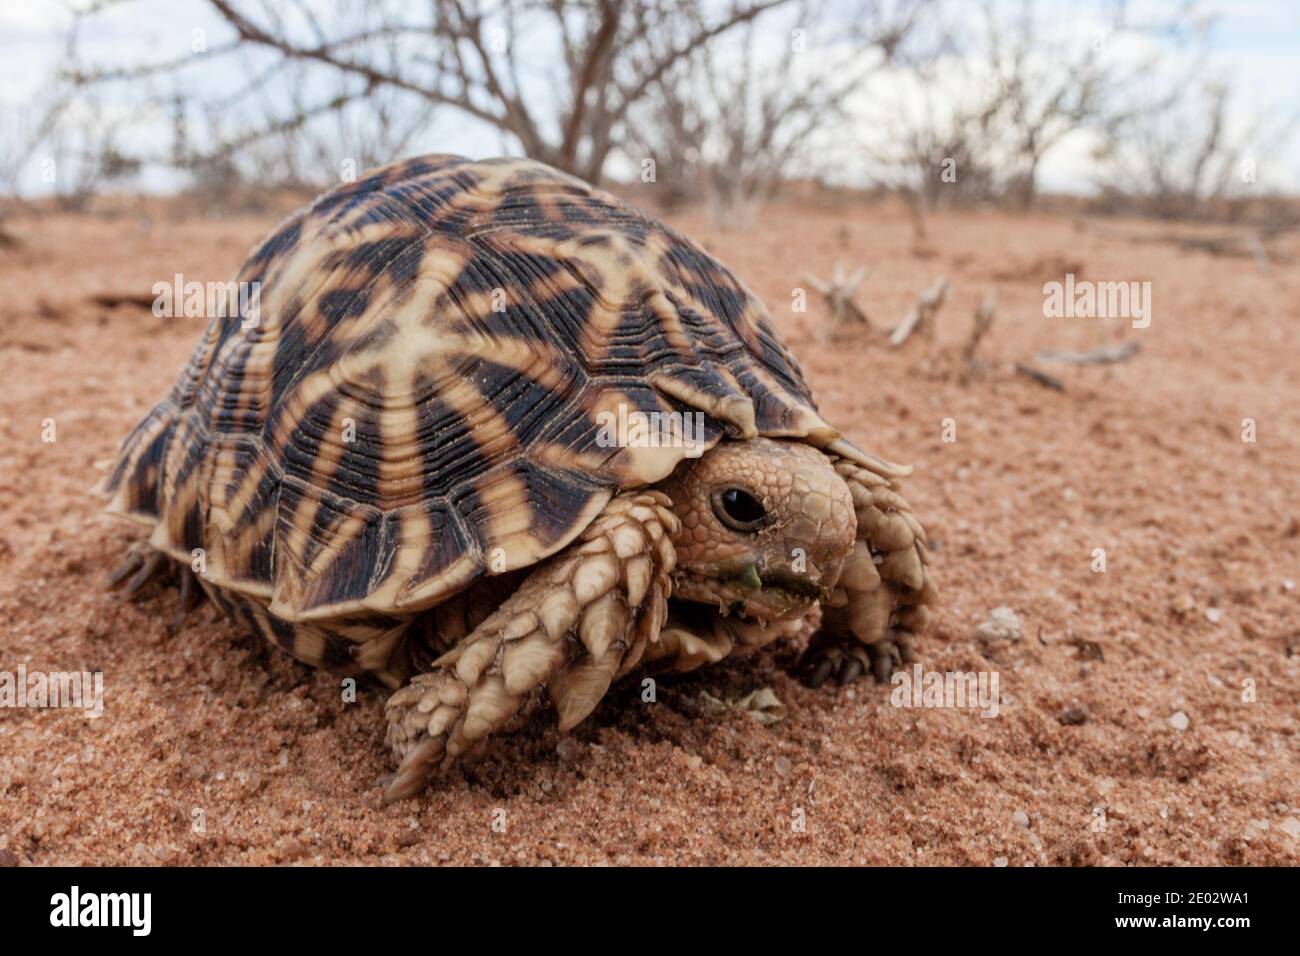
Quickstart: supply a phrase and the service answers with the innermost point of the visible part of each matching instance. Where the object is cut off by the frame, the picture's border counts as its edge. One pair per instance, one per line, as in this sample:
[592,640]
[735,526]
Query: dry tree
[556,79]
[998,87]
[1188,159]
[731,122]
[69,142]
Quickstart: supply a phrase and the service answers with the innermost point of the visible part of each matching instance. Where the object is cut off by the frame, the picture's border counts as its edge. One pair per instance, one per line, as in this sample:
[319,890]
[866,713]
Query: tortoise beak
[776,591]
[809,583]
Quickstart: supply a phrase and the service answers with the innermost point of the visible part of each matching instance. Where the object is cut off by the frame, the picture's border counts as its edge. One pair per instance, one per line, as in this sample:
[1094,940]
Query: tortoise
[492,436]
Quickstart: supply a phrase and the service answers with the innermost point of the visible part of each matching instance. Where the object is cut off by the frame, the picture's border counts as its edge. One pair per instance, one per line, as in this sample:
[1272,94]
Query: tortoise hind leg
[145,565]
[141,567]
[578,621]
[192,593]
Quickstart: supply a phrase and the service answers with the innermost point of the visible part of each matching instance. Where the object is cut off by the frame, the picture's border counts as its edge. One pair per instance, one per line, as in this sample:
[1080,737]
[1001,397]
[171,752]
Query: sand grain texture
[1144,459]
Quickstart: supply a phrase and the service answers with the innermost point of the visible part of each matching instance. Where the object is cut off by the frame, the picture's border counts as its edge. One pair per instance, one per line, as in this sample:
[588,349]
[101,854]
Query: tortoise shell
[418,398]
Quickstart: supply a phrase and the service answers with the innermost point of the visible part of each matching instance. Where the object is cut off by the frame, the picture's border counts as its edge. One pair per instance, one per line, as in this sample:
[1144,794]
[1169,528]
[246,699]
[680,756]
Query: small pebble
[1073,714]
[1214,615]
[1002,624]
[1179,721]
[566,748]
[999,861]
[1020,819]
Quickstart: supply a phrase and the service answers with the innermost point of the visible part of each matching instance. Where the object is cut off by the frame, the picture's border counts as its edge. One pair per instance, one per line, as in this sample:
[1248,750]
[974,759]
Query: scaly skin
[779,570]
[870,622]
[579,621]
[829,531]
[475,529]
[816,529]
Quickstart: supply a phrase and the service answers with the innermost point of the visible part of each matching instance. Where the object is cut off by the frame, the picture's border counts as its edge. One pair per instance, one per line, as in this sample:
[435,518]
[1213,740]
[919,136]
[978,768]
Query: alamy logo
[103,909]
[633,428]
[81,689]
[209,300]
[971,689]
[1098,300]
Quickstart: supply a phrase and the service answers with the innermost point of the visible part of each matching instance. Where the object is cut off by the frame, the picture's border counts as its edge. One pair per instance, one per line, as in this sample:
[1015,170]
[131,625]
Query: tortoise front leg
[580,620]
[880,603]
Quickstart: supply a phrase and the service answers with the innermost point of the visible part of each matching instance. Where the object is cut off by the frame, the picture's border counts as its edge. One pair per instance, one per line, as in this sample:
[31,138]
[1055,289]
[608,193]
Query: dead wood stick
[838,293]
[922,314]
[984,315]
[112,299]
[1244,245]
[1098,356]
[1039,376]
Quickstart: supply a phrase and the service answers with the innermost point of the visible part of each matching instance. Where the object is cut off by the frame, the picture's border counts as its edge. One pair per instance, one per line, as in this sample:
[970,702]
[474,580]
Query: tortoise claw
[191,594]
[832,655]
[818,672]
[884,658]
[151,569]
[141,566]
[847,659]
[129,566]
[850,671]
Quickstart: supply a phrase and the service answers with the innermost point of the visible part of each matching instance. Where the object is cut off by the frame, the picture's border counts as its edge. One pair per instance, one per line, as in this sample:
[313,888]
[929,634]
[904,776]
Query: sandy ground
[213,749]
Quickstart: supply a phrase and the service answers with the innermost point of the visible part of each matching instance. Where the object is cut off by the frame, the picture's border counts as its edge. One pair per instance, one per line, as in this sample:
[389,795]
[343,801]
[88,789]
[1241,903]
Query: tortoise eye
[738,509]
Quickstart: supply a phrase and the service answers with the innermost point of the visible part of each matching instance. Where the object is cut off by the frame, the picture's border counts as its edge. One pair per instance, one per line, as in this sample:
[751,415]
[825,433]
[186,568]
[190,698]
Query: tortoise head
[766,527]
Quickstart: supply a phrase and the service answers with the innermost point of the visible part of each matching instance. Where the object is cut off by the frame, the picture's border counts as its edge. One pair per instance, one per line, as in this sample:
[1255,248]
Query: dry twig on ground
[1105,355]
[921,318]
[1039,376]
[838,293]
[1245,245]
[985,312]
[111,300]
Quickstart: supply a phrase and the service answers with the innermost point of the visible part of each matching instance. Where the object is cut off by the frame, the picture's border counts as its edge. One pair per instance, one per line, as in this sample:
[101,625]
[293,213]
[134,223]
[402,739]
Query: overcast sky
[1257,48]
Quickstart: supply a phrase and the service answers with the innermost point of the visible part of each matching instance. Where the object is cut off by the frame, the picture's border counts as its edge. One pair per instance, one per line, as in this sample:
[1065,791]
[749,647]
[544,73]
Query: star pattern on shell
[415,399]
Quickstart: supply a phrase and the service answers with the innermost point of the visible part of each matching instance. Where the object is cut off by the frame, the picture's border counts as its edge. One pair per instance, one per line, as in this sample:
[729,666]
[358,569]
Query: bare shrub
[1188,159]
[480,60]
[732,121]
[69,142]
[998,90]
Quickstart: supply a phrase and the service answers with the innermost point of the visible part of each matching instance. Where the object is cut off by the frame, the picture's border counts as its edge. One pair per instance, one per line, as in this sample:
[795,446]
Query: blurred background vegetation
[939,103]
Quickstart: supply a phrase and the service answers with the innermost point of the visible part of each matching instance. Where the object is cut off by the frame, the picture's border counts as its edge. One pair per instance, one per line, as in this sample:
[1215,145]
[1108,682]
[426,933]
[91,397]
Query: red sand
[1143,459]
